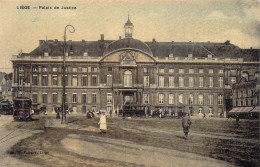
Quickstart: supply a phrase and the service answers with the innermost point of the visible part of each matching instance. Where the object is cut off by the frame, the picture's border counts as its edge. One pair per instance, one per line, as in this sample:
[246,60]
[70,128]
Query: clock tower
[129,27]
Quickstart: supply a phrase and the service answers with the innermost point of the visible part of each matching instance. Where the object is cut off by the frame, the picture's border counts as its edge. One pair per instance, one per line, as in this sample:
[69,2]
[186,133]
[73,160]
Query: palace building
[194,77]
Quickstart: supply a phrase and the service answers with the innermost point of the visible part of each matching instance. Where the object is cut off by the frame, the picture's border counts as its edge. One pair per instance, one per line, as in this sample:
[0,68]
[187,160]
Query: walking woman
[186,122]
[103,123]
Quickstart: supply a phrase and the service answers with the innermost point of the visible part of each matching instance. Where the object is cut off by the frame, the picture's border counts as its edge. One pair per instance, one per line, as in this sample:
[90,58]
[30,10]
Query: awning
[241,110]
[256,109]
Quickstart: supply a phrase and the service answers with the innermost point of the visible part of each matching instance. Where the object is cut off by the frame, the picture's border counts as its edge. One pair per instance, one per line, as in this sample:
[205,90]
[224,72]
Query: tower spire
[128,28]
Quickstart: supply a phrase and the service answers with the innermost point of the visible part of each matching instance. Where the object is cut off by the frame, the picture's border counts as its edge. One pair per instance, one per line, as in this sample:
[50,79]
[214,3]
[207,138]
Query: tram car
[22,108]
[6,108]
[133,110]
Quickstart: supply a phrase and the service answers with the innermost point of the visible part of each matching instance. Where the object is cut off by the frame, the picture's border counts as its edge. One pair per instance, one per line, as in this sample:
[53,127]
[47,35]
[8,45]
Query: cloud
[216,15]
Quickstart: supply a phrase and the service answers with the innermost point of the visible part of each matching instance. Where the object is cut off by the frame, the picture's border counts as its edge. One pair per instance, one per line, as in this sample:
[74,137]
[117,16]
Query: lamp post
[63,118]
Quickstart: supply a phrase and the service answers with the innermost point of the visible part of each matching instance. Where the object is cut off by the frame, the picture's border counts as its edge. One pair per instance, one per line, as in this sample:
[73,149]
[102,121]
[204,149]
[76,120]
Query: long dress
[103,123]
[186,124]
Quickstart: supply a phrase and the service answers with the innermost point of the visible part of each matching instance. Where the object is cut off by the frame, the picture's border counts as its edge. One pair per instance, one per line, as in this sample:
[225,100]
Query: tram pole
[63,118]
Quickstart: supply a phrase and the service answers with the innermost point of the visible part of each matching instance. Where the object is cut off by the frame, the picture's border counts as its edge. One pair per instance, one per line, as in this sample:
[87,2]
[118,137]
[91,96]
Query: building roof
[157,49]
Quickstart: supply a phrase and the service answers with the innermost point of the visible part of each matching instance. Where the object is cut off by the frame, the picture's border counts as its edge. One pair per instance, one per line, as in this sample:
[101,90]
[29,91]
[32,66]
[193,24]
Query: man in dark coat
[186,122]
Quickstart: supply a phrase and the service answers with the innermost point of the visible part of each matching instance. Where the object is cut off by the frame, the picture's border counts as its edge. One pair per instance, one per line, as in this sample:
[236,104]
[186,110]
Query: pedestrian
[160,112]
[110,113]
[237,120]
[204,116]
[146,111]
[186,122]
[58,112]
[103,123]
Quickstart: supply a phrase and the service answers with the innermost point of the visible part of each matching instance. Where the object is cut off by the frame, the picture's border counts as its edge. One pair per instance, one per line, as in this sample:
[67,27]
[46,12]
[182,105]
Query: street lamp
[72,30]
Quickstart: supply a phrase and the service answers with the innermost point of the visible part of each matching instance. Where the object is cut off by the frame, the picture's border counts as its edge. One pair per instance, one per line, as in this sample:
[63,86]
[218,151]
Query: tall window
[210,99]
[35,79]
[74,98]
[94,98]
[233,80]
[94,80]
[20,79]
[210,82]
[200,82]
[161,70]
[181,71]
[44,69]
[181,100]
[220,80]
[210,71]
[94,69]
[74,69]
[221,71]
[44,98]
[190,99]
[171,70]
[54,98]
[171,98]
[191,71]
[109,69]
[54,69]
[21,68]
[35,69]
[74,80]
[161,81]
[84,98]
[220,99]
[84,69]
[109,80]
[109,98]
[201,71]
[181,82]
[145,69]
[34,98]
[127,78]
[161,98]
[44,80]
[54,80]
[200,99]
[146,80]
[145,98]
[191,81]
[84,80]
[171,81]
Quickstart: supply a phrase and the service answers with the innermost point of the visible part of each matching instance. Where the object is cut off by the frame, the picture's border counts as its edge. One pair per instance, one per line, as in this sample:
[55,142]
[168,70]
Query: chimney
[41,42]
[102,37]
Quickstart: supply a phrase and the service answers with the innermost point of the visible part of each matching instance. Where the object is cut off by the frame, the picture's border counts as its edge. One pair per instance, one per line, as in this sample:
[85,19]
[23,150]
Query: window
[201,71]
[35,69]
[220,81]
[84,69]
[94,69]
[84,80]
[210,82]
[200,99]
[161,81]
[181,99]
[220,99]
[171,98]
[191,81]
[191,71]
[44,69]
[109,109]
[109,80]
[44,80]
[241,103]
[171,81]
[145,98]
[161,70]
[200,82]
[94,98]
[220,71]
[20,79]
[74,80]
[181,71]
[181,82]
[66,80]
[171,70]
[84,98]
[94,80]
[109,98]
[84,109]
[146,80]
[233,80]
[21,68]
[109,69]
[44,98]
[233,72]
[127,78]
[74,98]
[35,79]
[54,69]
[145,70]
[210,99]
[54,98]
[161,98]
[190,99]
[210,71]
[54,80]
[74,69]
[200,110]
[35,98]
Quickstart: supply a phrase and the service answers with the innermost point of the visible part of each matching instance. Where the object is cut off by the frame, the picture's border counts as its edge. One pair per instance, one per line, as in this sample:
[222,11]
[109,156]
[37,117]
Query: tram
[132,110]
[6,108]
[22,108]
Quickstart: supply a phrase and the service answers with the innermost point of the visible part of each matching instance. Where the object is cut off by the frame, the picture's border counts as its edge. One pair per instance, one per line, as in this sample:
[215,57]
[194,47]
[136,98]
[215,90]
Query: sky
[164,20]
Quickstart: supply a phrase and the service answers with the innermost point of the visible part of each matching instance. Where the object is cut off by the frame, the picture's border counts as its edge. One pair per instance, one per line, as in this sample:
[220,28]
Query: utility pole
[63,118]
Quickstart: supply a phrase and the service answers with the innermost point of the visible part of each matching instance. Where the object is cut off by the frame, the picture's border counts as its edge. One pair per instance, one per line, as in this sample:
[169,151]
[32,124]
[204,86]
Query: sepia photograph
[130,83]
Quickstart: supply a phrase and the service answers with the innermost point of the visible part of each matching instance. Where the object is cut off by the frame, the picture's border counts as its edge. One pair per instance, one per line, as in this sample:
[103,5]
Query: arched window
[127,78]
[245,75]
